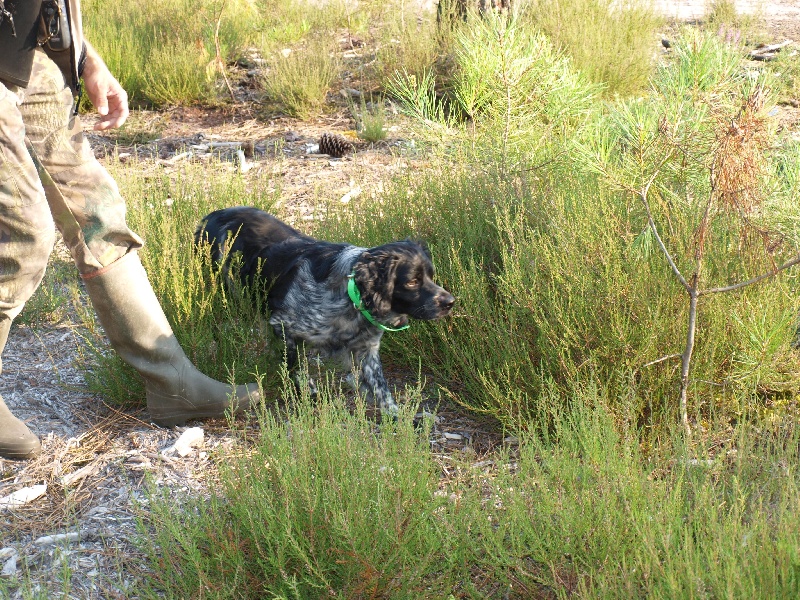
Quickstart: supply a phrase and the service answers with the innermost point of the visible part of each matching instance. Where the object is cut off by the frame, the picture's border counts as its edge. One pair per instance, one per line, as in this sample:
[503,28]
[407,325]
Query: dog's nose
[446,301]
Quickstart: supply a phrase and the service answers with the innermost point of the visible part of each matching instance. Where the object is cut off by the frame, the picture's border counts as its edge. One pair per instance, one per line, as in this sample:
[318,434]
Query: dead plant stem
[218,50]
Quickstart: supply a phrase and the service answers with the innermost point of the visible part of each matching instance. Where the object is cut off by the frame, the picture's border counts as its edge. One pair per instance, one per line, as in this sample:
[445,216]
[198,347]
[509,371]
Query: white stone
[191,438]
[9,567]
[52,540]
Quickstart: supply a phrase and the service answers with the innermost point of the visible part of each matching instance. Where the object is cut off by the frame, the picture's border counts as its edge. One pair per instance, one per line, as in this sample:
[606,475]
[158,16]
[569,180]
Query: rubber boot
[16,440]
[138,330]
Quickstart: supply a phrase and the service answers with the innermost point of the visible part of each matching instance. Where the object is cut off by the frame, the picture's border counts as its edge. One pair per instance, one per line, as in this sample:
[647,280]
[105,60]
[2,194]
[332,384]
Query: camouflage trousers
[50,178]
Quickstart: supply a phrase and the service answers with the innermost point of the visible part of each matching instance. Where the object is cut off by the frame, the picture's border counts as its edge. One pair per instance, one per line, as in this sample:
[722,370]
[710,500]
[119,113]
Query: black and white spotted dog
[334,299]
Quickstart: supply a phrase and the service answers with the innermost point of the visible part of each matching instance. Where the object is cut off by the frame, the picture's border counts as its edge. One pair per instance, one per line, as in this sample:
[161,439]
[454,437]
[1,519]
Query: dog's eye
[412,284]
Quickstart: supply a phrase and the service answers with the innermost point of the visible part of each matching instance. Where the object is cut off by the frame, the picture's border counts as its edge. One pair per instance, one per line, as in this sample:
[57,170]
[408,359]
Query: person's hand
[104,91]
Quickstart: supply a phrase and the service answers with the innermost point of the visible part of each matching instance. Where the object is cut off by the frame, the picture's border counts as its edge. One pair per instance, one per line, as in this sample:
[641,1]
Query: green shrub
[300,79]
[558,276]
[163,53]
[613,43]
[325,505]
[370,119]
[510,101]
[594,517]
[322,506]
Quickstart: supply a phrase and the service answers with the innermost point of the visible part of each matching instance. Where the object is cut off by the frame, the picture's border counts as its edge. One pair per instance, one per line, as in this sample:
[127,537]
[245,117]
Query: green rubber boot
[138,330]
[16,440]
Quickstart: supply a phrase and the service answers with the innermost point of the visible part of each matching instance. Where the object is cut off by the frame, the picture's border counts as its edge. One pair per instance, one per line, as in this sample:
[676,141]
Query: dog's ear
[375,276]
[423,246]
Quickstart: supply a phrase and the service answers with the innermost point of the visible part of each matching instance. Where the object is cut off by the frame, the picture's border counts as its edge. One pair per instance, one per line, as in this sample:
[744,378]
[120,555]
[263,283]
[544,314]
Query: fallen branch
[769,52]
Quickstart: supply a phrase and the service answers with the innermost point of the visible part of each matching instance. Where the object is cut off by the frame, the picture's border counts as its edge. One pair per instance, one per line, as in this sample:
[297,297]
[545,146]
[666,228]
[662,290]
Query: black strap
[19,23]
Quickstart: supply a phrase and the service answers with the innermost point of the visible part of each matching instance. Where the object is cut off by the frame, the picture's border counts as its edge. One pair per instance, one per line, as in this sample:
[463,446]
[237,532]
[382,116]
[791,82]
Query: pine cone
[334,145]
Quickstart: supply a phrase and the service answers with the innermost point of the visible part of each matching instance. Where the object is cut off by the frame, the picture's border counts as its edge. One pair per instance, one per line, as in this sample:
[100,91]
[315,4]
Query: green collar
[358,304]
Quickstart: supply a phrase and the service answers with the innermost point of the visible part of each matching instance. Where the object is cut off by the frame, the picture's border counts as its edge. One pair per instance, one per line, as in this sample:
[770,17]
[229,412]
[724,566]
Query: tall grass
[325,506]
[322,507]
[285,23]
[165,53]
[176,52]
[409,41]
[299,79]
[610,42]
[621,524]
[557,269]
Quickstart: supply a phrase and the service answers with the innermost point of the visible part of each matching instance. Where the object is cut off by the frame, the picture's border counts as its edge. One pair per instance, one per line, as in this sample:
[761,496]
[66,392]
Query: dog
[330,300]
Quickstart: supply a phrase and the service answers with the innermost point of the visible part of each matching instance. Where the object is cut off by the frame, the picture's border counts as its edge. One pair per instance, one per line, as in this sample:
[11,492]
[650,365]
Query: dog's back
[252,233]
[243,229]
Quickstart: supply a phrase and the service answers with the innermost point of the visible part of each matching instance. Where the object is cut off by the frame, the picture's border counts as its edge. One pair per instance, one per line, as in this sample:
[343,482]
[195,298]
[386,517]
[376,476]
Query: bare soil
[96,457]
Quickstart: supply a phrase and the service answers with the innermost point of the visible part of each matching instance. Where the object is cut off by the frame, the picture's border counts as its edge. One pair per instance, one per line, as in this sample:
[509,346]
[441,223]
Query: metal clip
[50,21]
[7,16]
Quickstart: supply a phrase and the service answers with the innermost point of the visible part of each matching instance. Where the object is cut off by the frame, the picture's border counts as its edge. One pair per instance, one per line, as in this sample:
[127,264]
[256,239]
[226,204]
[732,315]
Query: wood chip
[72,478]
[23,496]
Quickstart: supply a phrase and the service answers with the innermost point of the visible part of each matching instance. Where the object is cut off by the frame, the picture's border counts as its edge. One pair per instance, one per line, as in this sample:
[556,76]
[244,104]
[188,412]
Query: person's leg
[16,440]
[90,213]
[27,236]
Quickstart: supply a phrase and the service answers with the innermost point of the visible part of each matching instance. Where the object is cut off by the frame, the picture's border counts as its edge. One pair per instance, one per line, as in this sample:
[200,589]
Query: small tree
[695,158]
[509,95]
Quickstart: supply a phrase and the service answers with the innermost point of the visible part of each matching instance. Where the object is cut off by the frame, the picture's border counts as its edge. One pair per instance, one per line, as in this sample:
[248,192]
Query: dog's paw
[424,419]
[390,413]
[301,383]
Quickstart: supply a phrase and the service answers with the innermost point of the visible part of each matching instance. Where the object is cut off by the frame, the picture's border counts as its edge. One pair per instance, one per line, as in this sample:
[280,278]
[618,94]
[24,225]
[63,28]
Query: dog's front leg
[373,384]
[293,366]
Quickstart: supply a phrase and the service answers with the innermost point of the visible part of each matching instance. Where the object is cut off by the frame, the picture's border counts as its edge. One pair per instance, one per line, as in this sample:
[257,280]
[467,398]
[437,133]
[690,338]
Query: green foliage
[787,80]
[510,97]
[322,506]
[611,522]
[164,53]
[556,268]
[288,22]
[50,301]
[407,42]
[370,119]
[610,42]
[300,79]
[325,505]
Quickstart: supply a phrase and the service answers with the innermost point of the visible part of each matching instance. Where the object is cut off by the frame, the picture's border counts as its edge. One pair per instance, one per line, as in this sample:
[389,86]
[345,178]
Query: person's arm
[104,91]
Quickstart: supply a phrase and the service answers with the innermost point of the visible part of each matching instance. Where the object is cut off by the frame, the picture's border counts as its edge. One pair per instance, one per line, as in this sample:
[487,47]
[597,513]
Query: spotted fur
[307,296]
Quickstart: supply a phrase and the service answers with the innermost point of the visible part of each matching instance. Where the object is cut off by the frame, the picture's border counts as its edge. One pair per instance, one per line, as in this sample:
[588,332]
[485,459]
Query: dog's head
[397,278]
